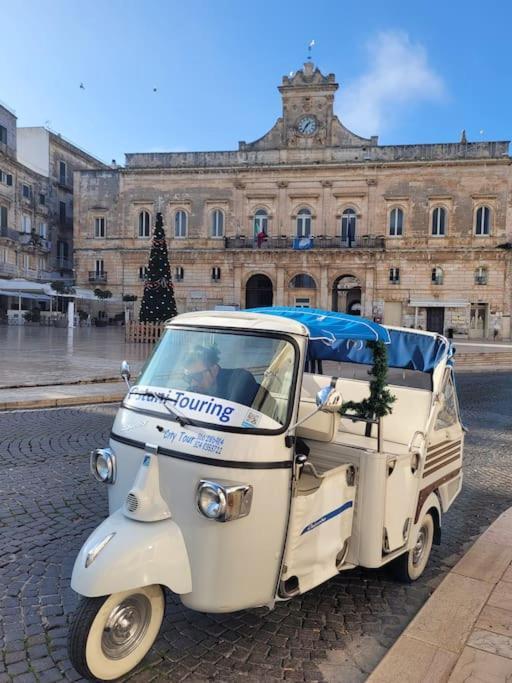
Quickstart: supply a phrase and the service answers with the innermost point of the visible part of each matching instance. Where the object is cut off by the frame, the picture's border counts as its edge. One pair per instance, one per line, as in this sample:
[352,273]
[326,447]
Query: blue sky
[408,72]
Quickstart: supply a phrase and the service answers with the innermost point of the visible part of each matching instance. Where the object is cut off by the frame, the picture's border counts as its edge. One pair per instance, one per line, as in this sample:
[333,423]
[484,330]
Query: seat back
[410,410]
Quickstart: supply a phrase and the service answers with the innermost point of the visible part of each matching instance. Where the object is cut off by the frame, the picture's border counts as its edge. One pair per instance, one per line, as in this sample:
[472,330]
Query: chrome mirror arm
[125,373]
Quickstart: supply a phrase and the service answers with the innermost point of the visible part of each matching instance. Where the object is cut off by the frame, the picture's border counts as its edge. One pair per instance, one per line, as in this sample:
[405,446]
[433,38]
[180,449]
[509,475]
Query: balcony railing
[33,240]
[8,268]
[63,263]
[319,242]
[97,277]
[10,233]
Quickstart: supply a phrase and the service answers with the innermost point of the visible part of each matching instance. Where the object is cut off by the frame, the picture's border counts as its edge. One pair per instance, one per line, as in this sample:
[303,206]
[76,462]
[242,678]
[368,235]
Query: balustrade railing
[316,242]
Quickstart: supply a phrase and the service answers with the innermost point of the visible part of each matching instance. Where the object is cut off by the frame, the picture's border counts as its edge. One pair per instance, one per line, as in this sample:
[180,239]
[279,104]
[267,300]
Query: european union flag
[302,242]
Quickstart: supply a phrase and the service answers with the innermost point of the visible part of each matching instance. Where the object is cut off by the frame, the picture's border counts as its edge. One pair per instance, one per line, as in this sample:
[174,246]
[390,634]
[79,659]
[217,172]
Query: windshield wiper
[180,419]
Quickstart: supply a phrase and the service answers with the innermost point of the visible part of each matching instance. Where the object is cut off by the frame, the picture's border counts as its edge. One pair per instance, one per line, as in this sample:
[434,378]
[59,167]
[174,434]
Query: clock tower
[308,120]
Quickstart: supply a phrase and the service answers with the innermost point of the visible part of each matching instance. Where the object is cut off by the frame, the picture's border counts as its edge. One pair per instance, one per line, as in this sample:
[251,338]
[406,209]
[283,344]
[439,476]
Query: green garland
[380,399]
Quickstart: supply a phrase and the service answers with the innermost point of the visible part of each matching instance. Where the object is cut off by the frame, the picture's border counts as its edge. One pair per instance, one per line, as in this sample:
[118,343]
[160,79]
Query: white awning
[438,303]
[25,295]
[19,285]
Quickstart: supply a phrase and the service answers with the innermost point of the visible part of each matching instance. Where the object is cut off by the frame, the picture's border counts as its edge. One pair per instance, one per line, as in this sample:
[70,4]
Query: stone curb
[61,396]
[440,644]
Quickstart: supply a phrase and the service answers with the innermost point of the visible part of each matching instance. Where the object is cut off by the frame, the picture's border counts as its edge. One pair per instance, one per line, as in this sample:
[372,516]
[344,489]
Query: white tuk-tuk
[236,479]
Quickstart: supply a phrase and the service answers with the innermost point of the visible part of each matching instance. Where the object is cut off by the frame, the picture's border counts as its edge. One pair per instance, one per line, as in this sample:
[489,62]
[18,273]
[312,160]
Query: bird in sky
[82,86]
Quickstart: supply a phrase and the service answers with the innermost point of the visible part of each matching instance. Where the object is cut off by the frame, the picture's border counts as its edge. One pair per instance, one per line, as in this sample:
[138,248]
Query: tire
[100,653]
[411,565]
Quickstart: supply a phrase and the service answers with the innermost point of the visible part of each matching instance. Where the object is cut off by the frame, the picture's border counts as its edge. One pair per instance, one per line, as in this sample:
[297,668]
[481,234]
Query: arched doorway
[346,295]
[258,291]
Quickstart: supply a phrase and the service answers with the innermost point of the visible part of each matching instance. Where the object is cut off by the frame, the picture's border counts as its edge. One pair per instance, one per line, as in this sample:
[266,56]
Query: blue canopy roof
[329,326]
[340,337]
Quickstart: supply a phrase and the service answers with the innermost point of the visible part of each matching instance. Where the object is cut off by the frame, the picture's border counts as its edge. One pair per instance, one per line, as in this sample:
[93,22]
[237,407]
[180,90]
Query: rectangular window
[3,216]
[8,180]
[62,212]
[302,302]
[143,272]
[62,172]
[3,135]
[99,226]
[26,223]
[42,199]
[26,261]
[215,273]
[179,273]
[99,267]
[26,191]
[394,275]
[43,230]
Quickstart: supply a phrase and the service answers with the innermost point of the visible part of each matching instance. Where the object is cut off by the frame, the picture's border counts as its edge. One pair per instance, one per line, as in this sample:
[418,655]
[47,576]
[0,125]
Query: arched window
[396,222]
[217,223]
[144,224]
[304,223]
[348,226]
[483,221]
[439,221]
[302,281]
[481,275]
[260,222]
[437,276]
[180,224]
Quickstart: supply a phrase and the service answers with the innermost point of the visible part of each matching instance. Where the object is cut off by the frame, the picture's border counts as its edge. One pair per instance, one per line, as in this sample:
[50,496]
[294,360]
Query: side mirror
[125,372]
[329,400]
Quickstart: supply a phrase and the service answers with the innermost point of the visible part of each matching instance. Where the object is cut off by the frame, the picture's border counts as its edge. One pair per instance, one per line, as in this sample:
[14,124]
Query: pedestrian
[496,330]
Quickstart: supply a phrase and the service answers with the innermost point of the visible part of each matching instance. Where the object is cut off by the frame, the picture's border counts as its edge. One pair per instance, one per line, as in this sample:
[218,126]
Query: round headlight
[211,500]
[103,465]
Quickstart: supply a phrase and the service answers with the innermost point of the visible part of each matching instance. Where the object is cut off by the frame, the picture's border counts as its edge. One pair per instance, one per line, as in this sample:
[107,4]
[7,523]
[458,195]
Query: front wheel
[110,635]
[410,566]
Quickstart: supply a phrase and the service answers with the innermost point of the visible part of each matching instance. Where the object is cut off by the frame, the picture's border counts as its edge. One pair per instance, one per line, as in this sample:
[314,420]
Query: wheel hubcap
[419,548]
[126,626]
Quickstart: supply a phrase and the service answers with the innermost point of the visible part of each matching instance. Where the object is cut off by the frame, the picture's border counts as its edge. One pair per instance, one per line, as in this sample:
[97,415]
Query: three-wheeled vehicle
[235,481]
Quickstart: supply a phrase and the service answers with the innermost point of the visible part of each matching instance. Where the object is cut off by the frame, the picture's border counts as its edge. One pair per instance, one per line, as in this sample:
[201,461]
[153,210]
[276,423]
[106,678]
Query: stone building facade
[36,202]
[313,215]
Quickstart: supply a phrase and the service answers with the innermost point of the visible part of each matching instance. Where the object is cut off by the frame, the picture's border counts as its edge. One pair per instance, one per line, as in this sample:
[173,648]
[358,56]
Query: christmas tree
[158,302]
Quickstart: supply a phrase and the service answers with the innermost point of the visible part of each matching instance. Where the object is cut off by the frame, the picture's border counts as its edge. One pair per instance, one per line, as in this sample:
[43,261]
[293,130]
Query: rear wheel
[411,565]
[110,635]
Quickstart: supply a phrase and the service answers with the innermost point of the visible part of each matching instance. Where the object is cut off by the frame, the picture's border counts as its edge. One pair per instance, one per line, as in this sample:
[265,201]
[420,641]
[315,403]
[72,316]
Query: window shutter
[3,216]
[9,179]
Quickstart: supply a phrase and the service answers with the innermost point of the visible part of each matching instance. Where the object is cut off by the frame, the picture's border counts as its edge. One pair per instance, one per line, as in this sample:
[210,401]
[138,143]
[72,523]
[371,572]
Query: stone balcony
[98,278]
[303,243]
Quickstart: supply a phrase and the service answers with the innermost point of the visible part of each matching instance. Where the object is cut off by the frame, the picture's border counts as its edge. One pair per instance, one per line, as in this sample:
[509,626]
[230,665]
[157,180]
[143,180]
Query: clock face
[307,125]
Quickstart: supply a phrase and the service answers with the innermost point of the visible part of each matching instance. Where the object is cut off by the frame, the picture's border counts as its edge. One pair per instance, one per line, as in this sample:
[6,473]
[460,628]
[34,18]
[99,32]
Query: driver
[204,375]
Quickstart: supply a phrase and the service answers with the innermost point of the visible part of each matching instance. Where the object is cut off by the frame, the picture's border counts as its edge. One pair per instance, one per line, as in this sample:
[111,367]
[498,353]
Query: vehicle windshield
[222,378]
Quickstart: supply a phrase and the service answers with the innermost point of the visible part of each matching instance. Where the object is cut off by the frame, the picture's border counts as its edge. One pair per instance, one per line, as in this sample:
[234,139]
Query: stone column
[324,290]
[280,226]
[367,293]
[238,297]
[279,293]
[507,289]
[326,216]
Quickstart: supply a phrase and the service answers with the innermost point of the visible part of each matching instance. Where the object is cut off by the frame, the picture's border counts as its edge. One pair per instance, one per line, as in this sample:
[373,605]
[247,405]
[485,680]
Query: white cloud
[398,76]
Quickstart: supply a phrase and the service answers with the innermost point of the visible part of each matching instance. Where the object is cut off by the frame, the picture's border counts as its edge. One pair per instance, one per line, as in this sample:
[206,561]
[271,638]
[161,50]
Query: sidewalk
[61,395]
[464,632]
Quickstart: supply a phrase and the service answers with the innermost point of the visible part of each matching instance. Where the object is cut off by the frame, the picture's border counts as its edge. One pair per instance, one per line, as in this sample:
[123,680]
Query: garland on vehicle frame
[380,400]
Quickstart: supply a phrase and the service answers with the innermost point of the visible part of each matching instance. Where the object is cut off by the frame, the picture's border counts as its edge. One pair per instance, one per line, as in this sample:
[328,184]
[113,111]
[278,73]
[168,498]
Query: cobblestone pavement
[337,632]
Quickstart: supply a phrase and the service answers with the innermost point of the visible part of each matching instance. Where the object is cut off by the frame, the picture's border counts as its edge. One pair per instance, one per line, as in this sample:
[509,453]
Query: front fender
[139,554]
